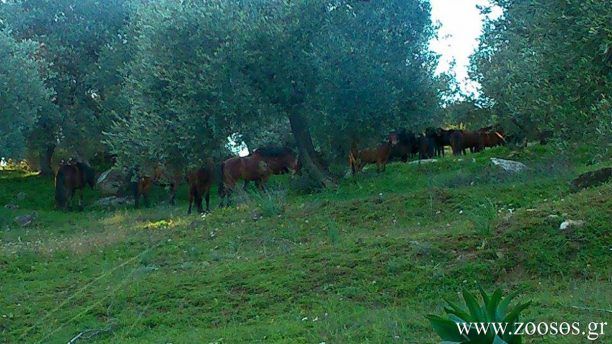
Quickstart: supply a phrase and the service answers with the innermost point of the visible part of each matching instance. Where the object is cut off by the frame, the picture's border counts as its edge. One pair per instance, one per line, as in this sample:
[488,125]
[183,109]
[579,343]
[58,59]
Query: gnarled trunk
[301,133]
[46,153]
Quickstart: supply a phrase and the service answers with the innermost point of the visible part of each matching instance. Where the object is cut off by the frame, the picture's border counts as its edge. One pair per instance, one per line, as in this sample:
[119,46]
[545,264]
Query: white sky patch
[461,25]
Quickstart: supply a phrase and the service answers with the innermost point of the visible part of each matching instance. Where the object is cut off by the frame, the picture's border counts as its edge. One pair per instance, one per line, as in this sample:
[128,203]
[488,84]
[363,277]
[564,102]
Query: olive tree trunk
[308,158]
[44,159]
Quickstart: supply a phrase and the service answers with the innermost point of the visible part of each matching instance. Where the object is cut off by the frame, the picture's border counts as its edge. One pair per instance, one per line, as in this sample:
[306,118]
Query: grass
[364,262]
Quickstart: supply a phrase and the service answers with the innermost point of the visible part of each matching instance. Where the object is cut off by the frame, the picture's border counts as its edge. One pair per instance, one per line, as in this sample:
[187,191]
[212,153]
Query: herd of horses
[403,144]
[72,176]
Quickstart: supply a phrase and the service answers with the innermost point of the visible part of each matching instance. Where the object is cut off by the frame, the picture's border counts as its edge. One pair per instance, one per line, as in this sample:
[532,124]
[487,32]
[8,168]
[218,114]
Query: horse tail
[500,136]
[60,188]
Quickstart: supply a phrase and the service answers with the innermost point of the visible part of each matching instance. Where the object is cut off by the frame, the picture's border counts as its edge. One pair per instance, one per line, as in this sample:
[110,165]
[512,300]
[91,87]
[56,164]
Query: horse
[406,147]
[427,146]
[141,183]
[492,139]
[199,182]
[443,139]
[456,142]
[472,140]
[70,177]
[280,160]
[379,155]
[249,168]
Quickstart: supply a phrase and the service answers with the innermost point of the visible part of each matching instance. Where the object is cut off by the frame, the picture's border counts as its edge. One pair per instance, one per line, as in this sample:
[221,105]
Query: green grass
[364,262]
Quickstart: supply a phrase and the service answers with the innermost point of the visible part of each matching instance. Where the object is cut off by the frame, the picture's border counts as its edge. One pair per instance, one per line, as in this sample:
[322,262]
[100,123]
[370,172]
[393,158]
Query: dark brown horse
[461,140]
[141,183]
[443,139]
[456,142]
[407,145]
[70,177]
[492,138]
[280,160]
[379,155]
[250,168]
[200,182]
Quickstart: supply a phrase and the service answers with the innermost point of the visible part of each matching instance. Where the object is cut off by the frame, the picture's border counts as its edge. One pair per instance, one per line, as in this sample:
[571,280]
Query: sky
[461,25]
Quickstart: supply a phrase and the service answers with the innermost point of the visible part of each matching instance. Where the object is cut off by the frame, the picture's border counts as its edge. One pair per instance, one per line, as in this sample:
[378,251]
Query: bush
[494,309]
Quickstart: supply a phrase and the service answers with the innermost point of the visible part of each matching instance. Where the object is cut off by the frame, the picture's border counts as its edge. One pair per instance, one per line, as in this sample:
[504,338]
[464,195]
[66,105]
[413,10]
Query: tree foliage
[23,94]
[547,64]
[317,73]
[72,34]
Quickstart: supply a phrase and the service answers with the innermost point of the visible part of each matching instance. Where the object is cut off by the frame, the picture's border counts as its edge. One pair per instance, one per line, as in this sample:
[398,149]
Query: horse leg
[190,200]
[172,193]
[70,197]
[199,202]
[135,193]
[207,197]
[81,200]
[246,185]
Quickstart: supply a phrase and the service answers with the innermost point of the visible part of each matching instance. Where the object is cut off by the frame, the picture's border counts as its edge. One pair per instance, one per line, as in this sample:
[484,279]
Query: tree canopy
[324,73]
[548,64]
[23,96]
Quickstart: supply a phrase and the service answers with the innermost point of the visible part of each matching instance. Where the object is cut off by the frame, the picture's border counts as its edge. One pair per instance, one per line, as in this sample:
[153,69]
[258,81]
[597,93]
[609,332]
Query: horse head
[393,138]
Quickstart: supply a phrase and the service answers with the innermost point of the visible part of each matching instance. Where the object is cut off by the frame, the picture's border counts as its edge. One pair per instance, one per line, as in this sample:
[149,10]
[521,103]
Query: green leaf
[472,304]
[512,317]
[493,304]
[446,329]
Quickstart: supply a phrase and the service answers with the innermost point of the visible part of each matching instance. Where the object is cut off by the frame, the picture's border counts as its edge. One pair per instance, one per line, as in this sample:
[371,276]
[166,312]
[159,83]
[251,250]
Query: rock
[111,182]
[570,223]
[256,216]
[113,201]
[590,179]
[424,161]
[509,165]
[21,196]
[25,220]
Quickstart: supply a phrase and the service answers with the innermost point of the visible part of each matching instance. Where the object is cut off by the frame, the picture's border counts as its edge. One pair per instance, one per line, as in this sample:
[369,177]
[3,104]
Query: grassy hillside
[362,263]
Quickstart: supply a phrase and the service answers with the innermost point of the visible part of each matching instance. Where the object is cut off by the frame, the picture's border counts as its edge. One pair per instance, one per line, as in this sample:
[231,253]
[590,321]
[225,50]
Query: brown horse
[200,182]
[280,160]
[250,168]
[70,177]
[379,155]
[141,183]
[492,138]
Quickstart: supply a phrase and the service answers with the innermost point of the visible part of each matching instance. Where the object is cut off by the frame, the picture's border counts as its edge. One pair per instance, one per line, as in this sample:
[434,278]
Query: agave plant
[494,309]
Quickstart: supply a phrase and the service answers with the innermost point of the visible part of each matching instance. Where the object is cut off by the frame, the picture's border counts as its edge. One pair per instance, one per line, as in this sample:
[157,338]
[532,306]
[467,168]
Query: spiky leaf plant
[494,309]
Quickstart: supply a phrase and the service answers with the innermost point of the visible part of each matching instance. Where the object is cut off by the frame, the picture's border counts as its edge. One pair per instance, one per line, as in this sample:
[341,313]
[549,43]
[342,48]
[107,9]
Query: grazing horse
[141,183]
[379,155]
[69,178]
[200,182]
[280,160]
[249,168]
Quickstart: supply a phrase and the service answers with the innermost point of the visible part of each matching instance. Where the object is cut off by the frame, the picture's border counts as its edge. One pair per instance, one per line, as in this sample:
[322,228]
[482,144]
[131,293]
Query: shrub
[494,309]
